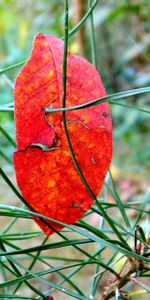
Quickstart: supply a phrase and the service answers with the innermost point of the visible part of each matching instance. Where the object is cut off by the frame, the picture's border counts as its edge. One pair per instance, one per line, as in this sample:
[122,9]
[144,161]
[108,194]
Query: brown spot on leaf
[105,114]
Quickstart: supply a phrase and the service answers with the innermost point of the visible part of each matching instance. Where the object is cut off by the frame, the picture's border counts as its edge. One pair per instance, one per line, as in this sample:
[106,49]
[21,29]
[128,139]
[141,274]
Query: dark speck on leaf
[104,114]
[82,200]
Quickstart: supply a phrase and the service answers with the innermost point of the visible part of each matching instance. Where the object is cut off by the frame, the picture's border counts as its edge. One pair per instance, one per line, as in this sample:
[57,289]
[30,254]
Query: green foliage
[117,244]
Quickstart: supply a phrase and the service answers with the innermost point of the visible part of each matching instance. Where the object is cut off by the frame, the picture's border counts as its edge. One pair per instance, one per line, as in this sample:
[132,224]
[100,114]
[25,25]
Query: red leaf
[48,179]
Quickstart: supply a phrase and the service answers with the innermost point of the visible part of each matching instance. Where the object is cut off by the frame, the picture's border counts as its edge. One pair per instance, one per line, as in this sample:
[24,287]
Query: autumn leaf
[44,168]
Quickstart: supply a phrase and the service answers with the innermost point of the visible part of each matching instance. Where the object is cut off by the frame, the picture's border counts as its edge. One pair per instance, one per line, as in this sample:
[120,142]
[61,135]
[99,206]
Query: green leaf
[12,67]
[109,98]
[7,136]
[143,205]
[119,203]
[48,247]
[9,296]
[78,26]
[89,236]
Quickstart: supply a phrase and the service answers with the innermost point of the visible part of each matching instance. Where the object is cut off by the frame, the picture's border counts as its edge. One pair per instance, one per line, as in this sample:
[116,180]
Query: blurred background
[122,32]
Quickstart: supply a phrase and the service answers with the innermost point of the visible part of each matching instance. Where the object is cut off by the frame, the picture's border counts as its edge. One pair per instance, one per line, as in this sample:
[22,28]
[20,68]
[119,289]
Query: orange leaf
[48,180]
